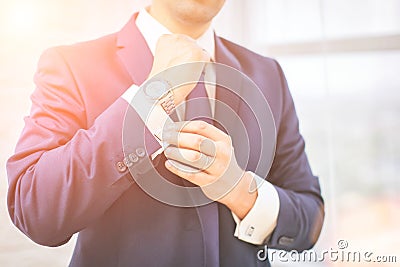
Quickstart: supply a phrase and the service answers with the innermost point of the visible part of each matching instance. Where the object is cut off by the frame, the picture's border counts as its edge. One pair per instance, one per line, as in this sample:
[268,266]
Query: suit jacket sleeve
[301,209]
[63,174]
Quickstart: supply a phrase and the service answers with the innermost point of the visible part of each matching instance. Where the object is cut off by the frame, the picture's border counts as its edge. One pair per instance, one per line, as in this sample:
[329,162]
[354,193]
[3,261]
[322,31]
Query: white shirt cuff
[130,93]
[154,122]
[261,220]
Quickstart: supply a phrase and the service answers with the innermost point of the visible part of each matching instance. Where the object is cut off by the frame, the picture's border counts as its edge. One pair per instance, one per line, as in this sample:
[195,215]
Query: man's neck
[175,26]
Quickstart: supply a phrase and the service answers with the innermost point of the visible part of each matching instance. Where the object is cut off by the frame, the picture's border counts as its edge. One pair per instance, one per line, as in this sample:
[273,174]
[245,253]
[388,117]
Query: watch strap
[168,103]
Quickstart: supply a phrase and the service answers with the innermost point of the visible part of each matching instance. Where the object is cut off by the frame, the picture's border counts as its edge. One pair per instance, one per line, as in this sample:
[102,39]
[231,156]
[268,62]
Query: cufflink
[285,241]
[250,231]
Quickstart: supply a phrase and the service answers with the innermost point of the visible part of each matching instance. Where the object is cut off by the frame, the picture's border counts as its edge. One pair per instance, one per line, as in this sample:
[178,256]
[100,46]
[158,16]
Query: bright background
[342,62]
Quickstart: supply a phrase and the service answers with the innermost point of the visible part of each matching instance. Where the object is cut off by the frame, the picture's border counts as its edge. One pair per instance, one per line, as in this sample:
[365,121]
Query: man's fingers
[191,141]
[188,173]
[201,128]
[189,157]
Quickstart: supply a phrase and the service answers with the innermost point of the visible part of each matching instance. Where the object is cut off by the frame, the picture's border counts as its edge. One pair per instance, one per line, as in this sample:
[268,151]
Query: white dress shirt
[261,220]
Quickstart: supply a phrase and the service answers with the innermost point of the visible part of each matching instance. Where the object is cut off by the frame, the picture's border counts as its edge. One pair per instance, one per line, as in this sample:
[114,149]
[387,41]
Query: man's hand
[209,151]
[177,49]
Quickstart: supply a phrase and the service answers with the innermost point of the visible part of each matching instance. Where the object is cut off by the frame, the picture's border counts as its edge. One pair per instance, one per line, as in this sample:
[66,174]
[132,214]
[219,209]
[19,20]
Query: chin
[196,11]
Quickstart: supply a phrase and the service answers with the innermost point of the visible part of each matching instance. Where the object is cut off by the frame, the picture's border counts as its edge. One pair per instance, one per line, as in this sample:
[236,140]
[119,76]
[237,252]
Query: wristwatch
[161,90]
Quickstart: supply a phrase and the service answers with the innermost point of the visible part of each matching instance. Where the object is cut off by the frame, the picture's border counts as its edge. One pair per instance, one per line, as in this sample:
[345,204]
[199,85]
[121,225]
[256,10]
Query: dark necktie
[198,108]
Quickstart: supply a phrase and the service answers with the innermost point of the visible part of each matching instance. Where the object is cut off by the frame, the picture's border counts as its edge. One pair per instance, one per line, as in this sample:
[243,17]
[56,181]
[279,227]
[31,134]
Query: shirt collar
[152,30]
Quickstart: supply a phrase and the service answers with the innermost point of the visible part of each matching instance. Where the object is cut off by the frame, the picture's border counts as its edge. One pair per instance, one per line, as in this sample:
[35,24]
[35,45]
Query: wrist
[242,198]
[159,90]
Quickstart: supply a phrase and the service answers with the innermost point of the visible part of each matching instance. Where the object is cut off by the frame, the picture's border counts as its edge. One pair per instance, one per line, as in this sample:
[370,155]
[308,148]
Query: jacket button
[121,167]
[127,162]
[140,152]
[133,158]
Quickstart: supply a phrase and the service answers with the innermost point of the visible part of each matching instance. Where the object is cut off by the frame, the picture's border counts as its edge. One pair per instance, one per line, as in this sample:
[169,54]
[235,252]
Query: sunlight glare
[22,17]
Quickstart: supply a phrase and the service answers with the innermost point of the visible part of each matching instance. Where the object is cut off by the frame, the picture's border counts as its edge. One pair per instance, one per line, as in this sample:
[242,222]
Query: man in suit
[71,172]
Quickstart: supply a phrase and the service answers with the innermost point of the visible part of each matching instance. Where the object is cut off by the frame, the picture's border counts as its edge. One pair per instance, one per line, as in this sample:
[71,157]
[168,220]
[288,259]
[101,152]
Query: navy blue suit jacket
[65,176]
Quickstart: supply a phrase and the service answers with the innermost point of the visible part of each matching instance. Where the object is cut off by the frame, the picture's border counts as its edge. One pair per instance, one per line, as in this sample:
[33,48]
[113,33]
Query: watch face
[156,89]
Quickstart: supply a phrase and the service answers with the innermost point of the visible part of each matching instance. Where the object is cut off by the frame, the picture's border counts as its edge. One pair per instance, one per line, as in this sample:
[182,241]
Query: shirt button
[140,152]
[121,167]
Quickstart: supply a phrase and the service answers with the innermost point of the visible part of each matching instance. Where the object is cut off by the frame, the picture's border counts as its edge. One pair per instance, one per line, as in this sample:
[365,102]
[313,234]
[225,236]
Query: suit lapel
[230,95]
[134,52]
[224,56]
